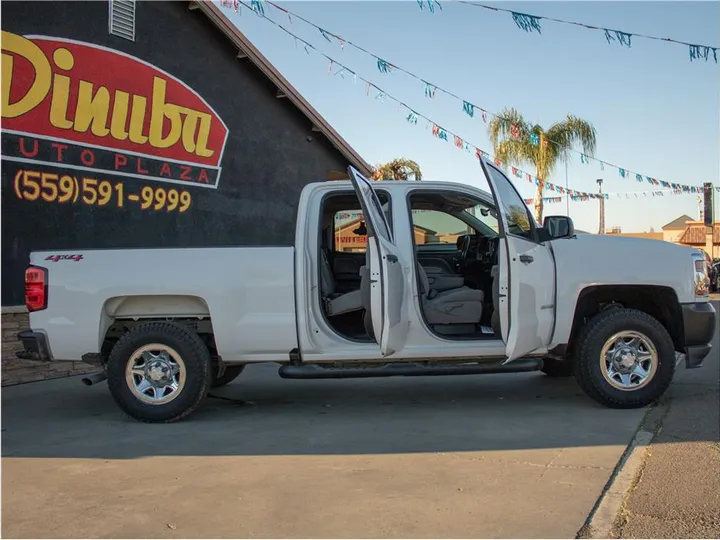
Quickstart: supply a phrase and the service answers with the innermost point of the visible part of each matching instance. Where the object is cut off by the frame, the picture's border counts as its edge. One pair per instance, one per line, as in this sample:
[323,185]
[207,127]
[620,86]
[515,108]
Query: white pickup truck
[166,325]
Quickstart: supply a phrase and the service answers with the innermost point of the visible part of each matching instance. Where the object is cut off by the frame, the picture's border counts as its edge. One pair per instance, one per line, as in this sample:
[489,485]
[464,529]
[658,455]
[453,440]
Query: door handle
[526,259]
[392,258]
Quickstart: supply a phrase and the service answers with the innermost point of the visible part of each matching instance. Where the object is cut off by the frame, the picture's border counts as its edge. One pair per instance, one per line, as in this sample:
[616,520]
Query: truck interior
[342,246]
[455,245]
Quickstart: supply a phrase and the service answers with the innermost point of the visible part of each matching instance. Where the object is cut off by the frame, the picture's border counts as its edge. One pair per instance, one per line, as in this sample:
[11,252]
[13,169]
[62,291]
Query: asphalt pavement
[473,456]
[470,456]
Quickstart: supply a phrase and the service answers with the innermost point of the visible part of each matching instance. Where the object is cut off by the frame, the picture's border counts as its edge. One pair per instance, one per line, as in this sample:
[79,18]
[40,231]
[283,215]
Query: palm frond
[570,132]
[510,135]
[397,169]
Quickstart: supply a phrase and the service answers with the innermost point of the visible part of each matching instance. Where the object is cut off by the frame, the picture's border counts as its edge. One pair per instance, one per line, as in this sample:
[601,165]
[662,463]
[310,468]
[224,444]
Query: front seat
[336,303]
[460,306]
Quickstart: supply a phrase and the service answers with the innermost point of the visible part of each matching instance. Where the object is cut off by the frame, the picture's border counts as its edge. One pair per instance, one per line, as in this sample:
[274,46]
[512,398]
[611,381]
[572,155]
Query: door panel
[387,292]
[527,272]
[442,260]
[532,276]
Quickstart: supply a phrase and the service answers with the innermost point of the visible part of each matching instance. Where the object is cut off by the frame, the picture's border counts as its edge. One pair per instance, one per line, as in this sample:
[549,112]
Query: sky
[656,113]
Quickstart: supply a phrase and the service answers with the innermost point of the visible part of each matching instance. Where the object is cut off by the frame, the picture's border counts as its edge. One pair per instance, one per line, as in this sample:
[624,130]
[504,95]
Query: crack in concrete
[549,465]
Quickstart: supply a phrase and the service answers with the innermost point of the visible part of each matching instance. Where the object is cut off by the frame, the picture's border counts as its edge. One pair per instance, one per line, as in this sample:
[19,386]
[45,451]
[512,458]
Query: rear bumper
[699,322]
[35,346]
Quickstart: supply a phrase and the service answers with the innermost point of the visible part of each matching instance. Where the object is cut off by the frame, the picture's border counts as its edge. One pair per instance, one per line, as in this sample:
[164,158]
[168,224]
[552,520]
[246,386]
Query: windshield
[482,218]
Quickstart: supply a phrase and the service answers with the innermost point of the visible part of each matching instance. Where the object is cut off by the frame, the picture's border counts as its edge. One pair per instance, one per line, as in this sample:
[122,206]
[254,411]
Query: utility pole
[601,229]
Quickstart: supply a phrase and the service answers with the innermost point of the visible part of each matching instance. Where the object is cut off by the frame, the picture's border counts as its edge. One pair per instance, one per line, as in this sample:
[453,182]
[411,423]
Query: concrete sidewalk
[677,493]
[476,456]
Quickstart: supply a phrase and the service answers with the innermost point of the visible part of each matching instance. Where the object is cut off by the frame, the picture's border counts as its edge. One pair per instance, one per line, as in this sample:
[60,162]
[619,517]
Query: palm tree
[397,169]
[517,142]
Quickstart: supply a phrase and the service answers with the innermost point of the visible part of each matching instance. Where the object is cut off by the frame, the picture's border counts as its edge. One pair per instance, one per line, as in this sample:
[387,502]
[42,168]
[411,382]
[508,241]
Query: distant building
[671,232]
[695,235]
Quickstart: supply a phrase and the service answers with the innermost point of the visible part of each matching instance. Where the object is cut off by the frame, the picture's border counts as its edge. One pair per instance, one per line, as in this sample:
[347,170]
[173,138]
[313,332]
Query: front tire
[159,372]
[625,359]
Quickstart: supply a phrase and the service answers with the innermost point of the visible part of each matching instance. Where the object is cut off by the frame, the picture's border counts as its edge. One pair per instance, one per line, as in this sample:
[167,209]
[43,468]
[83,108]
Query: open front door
[387,283]
[527,271]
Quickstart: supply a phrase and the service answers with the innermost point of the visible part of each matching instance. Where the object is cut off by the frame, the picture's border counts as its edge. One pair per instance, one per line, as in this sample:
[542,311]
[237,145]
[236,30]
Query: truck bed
[247,292]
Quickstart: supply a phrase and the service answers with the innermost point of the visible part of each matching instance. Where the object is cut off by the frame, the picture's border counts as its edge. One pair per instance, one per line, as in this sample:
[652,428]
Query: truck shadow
[261,414]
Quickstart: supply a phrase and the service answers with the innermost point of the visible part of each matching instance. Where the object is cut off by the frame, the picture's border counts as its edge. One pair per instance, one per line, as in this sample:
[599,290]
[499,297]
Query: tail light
[36,288]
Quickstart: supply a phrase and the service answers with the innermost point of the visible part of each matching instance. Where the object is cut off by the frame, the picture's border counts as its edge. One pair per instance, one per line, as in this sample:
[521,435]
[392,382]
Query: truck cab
[450,280]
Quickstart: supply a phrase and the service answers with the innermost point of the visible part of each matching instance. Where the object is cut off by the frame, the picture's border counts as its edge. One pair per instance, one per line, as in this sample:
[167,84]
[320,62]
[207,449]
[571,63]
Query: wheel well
[119,327]
[657,301]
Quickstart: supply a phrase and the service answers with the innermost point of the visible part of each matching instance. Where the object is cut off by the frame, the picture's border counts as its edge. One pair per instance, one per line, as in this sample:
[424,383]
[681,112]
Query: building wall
[672,235]
[269,155]
[264,148]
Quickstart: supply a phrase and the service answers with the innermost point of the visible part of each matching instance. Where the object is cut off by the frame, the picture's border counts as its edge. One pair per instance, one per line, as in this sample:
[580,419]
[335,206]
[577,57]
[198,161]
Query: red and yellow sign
[81,106]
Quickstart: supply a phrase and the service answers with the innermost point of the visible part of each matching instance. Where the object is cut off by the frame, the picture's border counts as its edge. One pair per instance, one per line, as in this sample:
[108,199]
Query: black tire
[193,354]
[593,337]
[231,373]
[557,368]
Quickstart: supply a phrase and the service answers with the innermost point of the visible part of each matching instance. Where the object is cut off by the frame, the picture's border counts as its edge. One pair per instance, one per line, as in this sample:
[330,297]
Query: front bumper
[35,346]
[699,322]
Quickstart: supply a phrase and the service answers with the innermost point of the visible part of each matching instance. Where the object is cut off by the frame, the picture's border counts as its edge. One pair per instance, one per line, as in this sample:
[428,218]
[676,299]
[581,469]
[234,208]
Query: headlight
[702,278]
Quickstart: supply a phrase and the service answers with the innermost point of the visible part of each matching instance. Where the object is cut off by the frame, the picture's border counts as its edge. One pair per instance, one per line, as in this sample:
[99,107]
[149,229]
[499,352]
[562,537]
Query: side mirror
[559,227]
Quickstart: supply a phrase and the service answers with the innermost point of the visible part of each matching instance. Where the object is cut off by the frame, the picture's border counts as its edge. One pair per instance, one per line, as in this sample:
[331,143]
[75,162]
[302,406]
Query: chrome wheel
[628,360]
[155,374]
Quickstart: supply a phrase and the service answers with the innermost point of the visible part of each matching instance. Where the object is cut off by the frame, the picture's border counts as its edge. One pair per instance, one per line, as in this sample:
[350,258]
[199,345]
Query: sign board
[98,116]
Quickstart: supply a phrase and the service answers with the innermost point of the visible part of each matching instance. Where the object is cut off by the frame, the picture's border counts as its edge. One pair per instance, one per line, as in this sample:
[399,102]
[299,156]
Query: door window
[350,231]
[519,220]
[433,228]
[350,227]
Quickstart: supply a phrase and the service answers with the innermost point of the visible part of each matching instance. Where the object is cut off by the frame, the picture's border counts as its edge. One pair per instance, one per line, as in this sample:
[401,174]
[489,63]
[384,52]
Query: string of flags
[430,89]
[532,23]
[336,68]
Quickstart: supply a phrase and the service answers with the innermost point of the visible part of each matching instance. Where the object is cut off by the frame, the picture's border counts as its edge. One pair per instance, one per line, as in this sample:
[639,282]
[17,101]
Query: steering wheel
[465,243]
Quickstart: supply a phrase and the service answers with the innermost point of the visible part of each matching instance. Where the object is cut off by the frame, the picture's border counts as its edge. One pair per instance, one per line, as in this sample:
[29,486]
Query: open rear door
[527,271]
[387,283]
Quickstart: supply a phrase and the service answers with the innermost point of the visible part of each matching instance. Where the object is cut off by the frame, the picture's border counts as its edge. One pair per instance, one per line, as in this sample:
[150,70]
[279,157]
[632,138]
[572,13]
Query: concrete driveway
[475,456]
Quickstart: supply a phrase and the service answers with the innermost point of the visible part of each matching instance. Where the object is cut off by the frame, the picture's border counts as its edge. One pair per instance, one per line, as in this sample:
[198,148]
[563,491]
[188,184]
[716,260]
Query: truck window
[438,229]
[350,232]
[350,228]
[519,219]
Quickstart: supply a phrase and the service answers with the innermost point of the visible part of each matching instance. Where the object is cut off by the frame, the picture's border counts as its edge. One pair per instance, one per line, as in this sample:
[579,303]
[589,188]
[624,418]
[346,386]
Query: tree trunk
[539,205]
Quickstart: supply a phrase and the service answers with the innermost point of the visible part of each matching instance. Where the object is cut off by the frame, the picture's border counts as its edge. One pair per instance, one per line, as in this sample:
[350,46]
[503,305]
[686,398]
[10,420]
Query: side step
[317,371]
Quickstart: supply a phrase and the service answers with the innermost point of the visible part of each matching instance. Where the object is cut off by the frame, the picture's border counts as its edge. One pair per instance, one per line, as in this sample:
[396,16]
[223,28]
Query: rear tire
[231,373]
[625,359]
[159,372]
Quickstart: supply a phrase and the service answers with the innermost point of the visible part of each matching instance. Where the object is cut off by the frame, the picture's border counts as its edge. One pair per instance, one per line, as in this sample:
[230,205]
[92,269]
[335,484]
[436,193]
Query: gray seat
[336,303]
[462,305]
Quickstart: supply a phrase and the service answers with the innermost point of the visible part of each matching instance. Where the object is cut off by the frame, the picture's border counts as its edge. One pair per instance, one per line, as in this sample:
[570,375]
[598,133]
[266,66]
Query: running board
[317,371]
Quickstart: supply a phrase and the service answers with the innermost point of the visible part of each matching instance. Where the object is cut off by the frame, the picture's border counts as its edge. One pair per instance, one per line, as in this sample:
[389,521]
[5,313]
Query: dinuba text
[65,188]
[93,110]
[103,112]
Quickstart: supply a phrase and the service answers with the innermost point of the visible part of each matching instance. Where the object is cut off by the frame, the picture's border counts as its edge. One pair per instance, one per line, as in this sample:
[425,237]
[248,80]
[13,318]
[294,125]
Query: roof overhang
[247,50]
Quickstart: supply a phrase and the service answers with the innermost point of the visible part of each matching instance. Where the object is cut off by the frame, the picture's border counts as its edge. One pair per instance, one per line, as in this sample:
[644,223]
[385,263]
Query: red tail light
[36,288]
